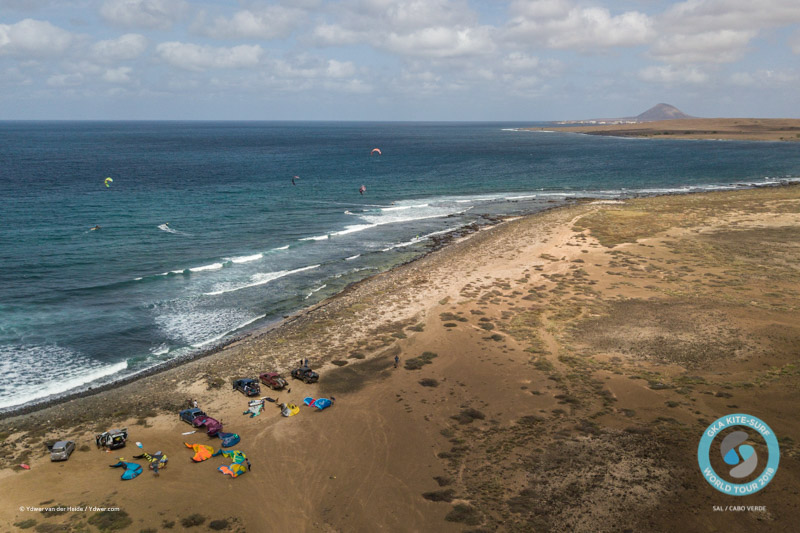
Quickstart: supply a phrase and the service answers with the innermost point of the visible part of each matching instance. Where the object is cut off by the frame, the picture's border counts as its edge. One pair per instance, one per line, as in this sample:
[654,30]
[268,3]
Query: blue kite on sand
[320,403]
[229,439]
[131,469]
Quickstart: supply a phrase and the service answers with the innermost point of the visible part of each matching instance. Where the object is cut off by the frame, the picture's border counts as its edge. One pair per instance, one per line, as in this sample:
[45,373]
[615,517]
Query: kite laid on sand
[131,469]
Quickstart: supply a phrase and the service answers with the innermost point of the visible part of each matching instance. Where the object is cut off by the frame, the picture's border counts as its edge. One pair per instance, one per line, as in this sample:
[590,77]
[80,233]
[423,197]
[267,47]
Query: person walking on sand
[194,404]
[396,360]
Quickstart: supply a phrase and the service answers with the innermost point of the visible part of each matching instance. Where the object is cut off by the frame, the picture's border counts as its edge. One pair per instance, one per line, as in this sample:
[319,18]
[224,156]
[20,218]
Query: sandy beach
[742,129]
[556,374]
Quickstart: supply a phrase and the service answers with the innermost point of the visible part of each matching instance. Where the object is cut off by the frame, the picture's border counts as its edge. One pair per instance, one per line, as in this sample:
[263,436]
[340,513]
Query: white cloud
[154,14]
[708,15]
[340,69]
[197,58]
[128,46]
[34,38]
[519,62]
[440,42]
[65,80]
[335,35]
[414,28]
[765,78]
[118,75]
[721,46]
[14,76]
[557,24]
[671,75]
[270,22]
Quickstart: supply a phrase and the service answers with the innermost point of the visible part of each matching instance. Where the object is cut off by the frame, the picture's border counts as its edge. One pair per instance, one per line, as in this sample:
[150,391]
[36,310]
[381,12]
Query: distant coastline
[741,129]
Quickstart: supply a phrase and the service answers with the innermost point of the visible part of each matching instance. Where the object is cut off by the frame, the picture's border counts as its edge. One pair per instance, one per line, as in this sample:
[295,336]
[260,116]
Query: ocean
[203,236]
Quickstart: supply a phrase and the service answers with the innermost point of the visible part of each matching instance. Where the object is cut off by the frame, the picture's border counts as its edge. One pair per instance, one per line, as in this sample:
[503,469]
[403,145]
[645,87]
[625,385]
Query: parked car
[273,380]
[61,450]
[189,415]
[112,439]
[212,425]
[306,374]
[249,387]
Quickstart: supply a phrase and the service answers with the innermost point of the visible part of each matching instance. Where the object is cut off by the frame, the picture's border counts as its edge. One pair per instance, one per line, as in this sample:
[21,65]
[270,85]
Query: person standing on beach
[396,360]
[194,404]
[306,361]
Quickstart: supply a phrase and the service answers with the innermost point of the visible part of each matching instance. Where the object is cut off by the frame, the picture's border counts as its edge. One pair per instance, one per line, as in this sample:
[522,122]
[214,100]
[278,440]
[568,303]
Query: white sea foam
[164,227]
[314,290]
[419,238]
[258,279]
[194,322]
[204,268]
[161,349]
[246,258]
[283,247]
[352,257]
[34,372]
[347,230]
[226,333]
[404,207]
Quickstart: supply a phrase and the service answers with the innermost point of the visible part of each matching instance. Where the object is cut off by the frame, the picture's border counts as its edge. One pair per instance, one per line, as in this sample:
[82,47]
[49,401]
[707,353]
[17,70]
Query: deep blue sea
[203,235]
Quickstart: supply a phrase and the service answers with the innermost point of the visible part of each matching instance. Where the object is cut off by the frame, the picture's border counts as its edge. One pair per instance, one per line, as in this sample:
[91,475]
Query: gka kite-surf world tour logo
[742,443]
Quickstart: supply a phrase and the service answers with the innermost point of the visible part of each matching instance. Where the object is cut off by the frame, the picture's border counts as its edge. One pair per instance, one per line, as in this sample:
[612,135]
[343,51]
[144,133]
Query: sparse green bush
[192,520]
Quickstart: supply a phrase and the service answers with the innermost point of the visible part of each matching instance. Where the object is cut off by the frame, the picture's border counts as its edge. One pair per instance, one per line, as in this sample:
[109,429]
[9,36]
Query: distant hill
[661,112]
[655,113]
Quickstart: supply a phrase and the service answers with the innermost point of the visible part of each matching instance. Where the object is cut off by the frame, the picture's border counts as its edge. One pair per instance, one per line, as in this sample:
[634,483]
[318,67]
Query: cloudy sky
[396,59]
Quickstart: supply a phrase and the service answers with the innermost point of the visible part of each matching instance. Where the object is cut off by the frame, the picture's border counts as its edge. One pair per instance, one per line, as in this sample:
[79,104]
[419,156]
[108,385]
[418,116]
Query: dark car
[112,439]
[273,380]
[306,374]
[61,450]
[249,387]
[212,425]
[189,415]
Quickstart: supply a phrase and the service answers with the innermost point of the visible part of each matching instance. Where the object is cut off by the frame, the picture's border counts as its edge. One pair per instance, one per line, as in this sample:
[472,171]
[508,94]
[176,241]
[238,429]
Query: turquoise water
[203,235]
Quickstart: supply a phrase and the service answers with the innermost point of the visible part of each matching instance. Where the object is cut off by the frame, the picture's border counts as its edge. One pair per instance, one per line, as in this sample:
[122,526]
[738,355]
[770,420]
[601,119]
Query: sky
[376,60]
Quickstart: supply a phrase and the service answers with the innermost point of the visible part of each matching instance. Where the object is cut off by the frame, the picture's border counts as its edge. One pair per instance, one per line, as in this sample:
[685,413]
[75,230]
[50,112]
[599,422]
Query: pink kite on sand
[26,467]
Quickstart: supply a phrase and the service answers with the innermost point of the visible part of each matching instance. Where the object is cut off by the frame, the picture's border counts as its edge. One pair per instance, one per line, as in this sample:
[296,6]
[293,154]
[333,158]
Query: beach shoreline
[448,239]
[437,243]
[596,341]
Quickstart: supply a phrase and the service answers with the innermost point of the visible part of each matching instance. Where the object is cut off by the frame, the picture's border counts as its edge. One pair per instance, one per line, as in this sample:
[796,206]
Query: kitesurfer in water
[363,189]
[96,227]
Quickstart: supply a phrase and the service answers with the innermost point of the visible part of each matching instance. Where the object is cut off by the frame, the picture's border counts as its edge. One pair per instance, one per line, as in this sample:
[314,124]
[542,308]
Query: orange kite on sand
[201,452]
